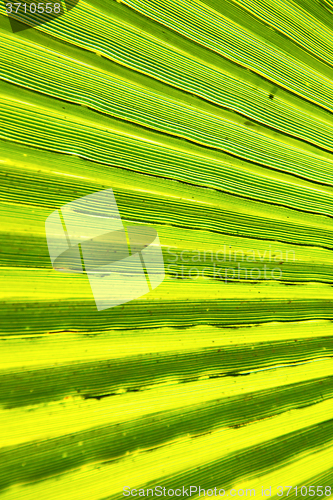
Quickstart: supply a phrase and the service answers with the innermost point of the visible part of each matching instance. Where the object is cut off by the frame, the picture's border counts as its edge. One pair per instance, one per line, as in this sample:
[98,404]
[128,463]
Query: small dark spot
[236,426]
[271,96]
[100,396]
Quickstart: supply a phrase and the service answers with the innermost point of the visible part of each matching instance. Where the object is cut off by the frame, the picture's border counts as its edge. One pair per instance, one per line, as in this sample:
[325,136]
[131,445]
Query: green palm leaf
[212,122]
